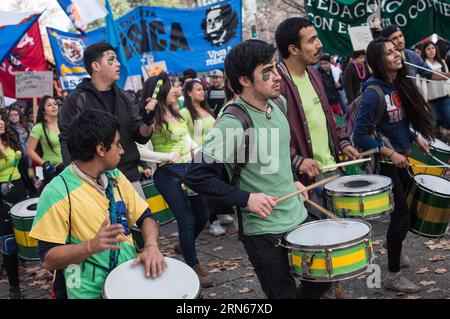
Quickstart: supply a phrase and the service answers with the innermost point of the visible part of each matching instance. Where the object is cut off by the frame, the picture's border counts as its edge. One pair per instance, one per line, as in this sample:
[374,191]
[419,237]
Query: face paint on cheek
[266,77]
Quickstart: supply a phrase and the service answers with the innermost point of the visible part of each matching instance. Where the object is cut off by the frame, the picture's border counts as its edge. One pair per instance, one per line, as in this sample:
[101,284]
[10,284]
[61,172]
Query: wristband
[390,155]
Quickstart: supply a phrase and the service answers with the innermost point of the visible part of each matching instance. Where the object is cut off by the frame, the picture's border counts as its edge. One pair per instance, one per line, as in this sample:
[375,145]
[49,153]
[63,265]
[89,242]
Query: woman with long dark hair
[46,132]
[171,135]
[20,125]
[437,91]
[406,114]
[12,191]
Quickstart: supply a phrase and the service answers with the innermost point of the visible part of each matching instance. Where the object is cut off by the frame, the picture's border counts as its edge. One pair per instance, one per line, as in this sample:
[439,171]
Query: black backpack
[241,114]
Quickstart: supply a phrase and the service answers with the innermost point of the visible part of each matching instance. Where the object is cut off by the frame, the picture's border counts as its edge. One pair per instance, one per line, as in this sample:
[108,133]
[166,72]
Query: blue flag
[11,33]
[113,38]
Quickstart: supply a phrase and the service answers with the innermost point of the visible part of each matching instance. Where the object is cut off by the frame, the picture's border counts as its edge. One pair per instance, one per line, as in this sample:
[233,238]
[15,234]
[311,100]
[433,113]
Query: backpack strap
[280,101]
[241,114]
[381,105]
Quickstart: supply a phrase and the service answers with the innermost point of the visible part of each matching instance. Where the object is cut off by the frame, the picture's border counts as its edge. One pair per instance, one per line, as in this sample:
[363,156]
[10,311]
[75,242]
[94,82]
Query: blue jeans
[190,212]
[441,111]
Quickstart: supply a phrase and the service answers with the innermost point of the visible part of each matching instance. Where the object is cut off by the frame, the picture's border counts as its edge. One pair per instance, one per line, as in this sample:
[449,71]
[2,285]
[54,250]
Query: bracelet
[390,155]
[151,245]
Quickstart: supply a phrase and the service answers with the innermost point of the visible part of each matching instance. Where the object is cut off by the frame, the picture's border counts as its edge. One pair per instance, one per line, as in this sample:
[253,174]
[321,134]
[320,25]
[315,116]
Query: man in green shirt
[266,176]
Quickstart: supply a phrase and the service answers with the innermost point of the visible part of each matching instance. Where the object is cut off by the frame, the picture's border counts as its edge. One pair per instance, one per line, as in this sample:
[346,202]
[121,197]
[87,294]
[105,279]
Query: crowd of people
[96,145]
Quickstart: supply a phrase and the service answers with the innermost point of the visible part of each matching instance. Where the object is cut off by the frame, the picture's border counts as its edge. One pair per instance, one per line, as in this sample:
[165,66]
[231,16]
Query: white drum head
[433,183]
[327,232]
[178,281]
[358,184]
[26,208]
[439,145]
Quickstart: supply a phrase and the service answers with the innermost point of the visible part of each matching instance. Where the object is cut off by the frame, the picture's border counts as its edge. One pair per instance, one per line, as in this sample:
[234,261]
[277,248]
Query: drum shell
[332,262]
[157,204]
[27,247]
[430,212]
[365,205]
[419,158]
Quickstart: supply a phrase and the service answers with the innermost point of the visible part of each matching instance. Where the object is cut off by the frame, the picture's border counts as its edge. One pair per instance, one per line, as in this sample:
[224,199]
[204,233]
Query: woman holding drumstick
[405,107]
[12,191]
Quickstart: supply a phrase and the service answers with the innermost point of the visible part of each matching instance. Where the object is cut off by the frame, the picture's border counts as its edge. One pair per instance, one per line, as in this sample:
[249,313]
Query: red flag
[28,55]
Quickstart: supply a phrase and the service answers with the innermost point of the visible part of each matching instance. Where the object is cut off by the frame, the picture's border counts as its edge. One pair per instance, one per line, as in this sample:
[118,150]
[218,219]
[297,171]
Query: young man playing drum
[251,70]
[85,214]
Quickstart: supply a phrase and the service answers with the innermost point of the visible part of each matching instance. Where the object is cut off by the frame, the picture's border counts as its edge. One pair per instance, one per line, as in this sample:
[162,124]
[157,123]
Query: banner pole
[35,109]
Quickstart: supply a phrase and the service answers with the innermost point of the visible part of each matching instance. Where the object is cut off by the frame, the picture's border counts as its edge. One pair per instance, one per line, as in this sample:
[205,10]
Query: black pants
[400,217]
[11,261]
[272,268]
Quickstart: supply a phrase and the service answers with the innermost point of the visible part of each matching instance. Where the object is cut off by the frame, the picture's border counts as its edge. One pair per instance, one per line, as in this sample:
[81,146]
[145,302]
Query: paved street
[226,261]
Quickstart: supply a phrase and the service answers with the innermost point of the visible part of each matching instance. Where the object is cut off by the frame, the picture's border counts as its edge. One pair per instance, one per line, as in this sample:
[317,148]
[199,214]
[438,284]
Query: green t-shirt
[268,169]
[172,138]
[7,166]
[317,122]
[200,128]
[54,157]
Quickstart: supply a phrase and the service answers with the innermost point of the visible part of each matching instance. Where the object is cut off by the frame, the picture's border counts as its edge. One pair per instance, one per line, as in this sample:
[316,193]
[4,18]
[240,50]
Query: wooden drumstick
[362,160]
[325,211]
[370,152]
[312,186]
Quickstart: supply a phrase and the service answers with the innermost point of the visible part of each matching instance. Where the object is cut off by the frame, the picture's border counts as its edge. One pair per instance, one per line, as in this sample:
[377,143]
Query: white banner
[360,37]
[34,84]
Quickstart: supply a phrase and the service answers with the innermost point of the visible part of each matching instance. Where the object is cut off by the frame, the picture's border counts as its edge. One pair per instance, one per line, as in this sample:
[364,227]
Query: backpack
[350,118]
[352,110]
[241,114]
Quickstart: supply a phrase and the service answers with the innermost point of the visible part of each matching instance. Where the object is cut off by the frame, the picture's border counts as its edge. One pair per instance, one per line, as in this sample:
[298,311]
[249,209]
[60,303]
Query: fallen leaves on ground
[382,251]
[378,242]
[218,248]
[437,258]
[213,294]
[440,271]
[422,271]
[427,283]
[413,297]
[434,289]
[244,290]
[443,244]
[249,274]
[219,266]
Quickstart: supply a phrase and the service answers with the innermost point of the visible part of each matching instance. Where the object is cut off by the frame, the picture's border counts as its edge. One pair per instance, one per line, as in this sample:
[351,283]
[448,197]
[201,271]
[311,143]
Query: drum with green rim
[360,196]
[438,149]
[326,250]
[157,204]
[22,215]
[429,203]
[159,208]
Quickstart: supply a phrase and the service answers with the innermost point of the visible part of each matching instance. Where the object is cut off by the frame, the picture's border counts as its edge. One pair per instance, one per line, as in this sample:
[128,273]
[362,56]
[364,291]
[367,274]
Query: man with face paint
[101,93]
[262,224]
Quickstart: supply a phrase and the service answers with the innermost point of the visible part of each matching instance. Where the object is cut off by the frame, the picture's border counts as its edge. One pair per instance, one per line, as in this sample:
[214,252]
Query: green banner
[418,19]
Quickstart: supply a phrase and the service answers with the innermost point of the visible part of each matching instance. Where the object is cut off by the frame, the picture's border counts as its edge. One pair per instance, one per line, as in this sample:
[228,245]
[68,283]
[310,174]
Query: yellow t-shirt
[89,209]
[317,122]
[7,166]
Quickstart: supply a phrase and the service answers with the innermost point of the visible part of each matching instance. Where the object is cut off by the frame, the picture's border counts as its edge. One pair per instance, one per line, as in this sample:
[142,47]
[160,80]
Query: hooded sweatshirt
[117,102]
[394,123]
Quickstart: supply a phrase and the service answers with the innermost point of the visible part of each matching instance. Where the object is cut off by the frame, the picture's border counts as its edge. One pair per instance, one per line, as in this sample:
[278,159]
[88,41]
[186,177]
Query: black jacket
[124,108]
[352,81]
[330,86]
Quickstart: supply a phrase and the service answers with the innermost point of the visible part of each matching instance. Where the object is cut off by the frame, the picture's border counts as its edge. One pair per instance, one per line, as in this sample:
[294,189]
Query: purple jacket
[300,138]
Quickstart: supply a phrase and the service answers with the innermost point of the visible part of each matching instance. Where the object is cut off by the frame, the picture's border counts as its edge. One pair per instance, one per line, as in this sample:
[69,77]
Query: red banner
[28,55]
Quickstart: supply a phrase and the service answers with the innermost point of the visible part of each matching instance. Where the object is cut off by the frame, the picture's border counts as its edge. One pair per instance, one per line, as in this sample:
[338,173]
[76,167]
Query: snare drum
[429,203]
[326,250]
[360,196]
[22,215]
[157,204]
[438,149]
[178,281]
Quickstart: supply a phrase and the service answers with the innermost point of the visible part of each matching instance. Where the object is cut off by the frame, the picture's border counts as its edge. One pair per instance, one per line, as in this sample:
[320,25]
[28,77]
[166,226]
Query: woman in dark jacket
[405,108]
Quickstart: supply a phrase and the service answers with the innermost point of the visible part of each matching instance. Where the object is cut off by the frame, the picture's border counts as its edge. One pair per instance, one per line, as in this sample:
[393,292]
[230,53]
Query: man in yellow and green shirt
[85,215]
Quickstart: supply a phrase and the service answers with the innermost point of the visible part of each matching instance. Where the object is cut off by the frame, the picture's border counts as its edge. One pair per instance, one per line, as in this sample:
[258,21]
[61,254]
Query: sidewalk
[226,261]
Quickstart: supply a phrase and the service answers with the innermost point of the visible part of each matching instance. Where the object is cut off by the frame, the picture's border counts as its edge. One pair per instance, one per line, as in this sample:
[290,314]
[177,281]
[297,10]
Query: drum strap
[70,209]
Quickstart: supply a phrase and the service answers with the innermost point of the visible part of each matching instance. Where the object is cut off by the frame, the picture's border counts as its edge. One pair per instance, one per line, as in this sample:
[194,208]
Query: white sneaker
[225,219]
[216,229]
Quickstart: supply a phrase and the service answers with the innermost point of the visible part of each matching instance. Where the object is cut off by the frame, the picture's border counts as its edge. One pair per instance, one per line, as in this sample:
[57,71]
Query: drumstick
[420,67]
[370,152]
[419,165]
[424,79]
[312,186]
[346,163]
[325,211]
